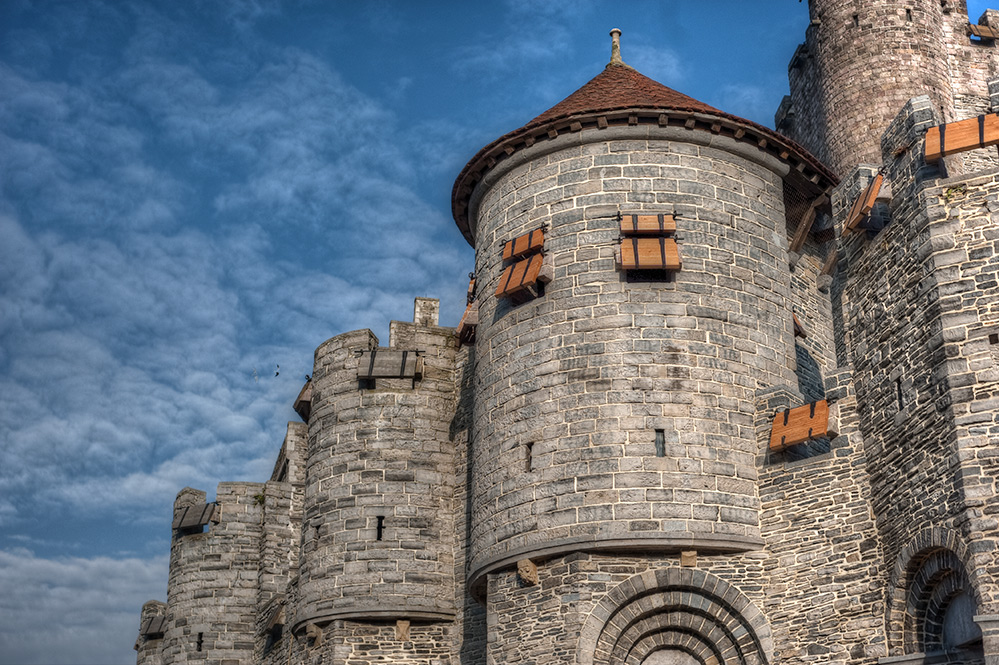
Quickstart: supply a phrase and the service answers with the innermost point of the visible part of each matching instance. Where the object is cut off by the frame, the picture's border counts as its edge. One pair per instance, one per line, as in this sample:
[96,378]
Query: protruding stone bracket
[402,630]
[688,559]
[527,571]
[314,636]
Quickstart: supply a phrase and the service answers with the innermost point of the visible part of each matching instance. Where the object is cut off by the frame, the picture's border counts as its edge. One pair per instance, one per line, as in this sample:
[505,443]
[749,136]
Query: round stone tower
[871,58]
[614,404]
[378,530]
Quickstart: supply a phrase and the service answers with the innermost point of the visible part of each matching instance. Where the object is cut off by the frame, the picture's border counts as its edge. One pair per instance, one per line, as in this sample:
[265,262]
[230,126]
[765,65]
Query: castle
[721,395]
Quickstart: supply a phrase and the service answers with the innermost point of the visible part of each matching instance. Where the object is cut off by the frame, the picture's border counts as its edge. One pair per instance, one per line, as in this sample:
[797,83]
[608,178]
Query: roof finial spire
[616,47]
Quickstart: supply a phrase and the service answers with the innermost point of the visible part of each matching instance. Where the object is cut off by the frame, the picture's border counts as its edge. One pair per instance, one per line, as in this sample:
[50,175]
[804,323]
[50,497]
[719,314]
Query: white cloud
[171,225]
[170,231]
[658,63]
[749,101]
[63,610]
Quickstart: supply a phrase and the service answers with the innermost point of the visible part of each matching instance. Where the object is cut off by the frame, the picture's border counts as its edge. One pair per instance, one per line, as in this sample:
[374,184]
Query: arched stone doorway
[675,616]
[933,601]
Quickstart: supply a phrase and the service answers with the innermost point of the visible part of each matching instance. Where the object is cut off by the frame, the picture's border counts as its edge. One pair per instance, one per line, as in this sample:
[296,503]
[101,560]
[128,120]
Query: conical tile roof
[617,87]
[620,95]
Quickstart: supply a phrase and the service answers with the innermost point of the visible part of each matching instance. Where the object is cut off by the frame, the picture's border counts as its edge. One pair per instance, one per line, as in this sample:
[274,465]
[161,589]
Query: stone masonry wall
[964,231]
[919,296]
[378,538]
[892,324]
[871,57]
[815,355]
[805,116]
[566,617]
[587,372]
[824,569]
[212,591]
[469,635]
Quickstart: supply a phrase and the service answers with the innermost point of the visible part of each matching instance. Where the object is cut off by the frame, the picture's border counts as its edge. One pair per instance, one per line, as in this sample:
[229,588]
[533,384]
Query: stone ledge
[657,542]
[376,613]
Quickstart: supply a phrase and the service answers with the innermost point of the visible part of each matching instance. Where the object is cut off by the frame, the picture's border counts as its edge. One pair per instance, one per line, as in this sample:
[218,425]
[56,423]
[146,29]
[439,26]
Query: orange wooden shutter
[953,137]
[637,224]
[982,31]
[650,254]
[863,205]
[800,424]
[519,276]
[529,242]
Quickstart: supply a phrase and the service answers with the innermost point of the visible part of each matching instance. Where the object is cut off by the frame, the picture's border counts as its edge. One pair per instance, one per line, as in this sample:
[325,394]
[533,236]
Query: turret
[378,529]
[214,558]
[634,295]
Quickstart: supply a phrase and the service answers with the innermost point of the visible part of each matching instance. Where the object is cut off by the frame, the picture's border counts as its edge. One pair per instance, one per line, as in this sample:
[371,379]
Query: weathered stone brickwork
[592,480]
[860,62]
[586,375]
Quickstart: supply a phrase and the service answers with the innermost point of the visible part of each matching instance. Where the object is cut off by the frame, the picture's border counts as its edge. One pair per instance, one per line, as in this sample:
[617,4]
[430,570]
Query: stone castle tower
[722,395]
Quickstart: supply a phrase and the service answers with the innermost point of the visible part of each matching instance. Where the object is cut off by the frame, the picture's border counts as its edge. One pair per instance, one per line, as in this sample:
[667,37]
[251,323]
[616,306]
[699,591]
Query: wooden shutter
[468,323]
[863,205]
[303,404]
[194,516]
[520,275]
[638,224]
[650,254]
[954,137]
[388,364]
[800,424]
[153,627]
[525,244]
[982,31]
[799,330]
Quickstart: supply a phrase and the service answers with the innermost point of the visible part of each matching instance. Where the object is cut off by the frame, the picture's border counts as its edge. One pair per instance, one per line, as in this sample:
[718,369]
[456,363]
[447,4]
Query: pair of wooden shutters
[982,32]
[525,258]
[649,242]
[960,136]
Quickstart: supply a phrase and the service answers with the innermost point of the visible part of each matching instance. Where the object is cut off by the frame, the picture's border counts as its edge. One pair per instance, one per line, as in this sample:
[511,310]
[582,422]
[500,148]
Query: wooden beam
[863,205]
[830,263]
[805,224]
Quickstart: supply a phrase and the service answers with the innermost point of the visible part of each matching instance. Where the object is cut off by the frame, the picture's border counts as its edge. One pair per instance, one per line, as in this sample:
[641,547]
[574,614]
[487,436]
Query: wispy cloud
[749,101]
[171,232]
[62,610]
[657,62]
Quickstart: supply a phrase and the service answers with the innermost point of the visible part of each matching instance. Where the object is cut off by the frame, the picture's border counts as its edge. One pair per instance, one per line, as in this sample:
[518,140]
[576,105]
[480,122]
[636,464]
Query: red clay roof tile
[619,87]
[616,88]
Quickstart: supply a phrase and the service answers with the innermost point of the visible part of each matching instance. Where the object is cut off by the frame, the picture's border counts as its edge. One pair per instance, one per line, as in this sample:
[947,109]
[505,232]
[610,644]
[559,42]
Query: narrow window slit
[380,528]
[898,394]
[856,20]
[529,457]
[908,15]
[201,638]
[660,443]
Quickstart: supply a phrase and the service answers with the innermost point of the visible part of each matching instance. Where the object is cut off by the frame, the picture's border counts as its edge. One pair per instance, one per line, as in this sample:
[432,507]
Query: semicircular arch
[650,611]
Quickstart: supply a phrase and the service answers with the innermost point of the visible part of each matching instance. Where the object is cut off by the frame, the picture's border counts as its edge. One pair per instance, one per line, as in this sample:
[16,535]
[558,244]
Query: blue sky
[193,194]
